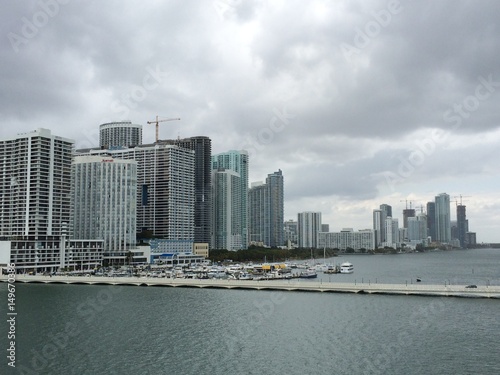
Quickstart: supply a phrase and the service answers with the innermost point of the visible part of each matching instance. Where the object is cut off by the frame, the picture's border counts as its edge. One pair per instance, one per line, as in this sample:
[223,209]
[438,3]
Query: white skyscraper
[104,203]
[309,225]
[35,204]
[392,233]
[35,184]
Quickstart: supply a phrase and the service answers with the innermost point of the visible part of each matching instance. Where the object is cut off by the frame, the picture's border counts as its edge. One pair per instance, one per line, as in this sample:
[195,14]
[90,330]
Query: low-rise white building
[347,238]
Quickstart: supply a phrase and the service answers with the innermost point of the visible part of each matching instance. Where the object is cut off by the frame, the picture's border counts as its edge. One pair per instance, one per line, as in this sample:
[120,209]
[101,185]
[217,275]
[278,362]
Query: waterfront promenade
[278,285]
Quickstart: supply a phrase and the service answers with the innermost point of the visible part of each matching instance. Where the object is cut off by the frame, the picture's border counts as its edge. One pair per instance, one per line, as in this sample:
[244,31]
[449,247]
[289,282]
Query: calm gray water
[78,329]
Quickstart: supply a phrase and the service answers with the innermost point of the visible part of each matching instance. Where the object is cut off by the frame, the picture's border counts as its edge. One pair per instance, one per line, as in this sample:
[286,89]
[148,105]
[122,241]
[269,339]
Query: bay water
[81,329]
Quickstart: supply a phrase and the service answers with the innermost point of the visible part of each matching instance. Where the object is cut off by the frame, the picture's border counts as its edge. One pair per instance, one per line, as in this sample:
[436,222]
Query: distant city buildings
[65,209]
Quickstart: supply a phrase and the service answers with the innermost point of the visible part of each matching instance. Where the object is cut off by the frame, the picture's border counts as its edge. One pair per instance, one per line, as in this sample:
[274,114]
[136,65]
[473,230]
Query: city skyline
[358,103]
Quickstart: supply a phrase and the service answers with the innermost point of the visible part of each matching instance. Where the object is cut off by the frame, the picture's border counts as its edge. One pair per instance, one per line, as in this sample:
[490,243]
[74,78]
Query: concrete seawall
[282,285]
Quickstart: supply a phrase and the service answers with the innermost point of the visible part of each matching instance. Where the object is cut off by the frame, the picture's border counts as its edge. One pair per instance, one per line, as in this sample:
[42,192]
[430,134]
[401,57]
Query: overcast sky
[359,103]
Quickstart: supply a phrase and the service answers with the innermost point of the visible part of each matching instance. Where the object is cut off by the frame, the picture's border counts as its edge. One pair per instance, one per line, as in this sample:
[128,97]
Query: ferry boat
[346,267]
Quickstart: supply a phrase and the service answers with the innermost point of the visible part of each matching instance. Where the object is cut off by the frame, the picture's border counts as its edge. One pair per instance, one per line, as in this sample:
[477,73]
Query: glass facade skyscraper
[442,215]
[230,179]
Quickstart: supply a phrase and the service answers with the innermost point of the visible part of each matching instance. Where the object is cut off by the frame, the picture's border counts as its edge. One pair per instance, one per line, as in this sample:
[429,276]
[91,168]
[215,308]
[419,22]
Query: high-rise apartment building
[104,200]
[407,213]
[227,220]
[35,205]
[378,227]
[387,209]
[275,186]
[431,220]
[35,184]
[258,217]
[265,202]
[462,225]
[165,188]
[309,225]
[392,233]
[119,134]
[386,212]
[442,215]
[202,147]
[222,165]
[417,228]
[291,233]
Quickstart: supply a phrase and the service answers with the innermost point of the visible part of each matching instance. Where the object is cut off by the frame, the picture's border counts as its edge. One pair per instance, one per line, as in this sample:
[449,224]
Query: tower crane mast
[157,121]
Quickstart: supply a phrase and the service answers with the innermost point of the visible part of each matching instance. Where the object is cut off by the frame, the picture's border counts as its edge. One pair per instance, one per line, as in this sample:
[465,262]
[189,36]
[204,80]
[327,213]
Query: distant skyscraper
[417,228]
[120,134]
[104,203]
[236,161]
[258,217]
[443,227]
[408,212]
[387,209]
[378,227]
[462,225]
[265,211]
[431,220]
[275,186]
[392,232]
[325,228]
[309,225]
[291,232]
[386,212]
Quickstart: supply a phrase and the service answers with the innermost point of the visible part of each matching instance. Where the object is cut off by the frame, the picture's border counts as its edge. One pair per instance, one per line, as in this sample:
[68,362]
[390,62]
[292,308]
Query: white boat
[346,267]
[310,273]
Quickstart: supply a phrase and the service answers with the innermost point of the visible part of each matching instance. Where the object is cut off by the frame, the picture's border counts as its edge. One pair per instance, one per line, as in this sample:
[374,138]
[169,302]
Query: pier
[276,285]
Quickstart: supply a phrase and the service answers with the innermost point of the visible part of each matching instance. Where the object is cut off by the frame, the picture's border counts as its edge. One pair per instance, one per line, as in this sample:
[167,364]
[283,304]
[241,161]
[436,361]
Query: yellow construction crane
[157,121]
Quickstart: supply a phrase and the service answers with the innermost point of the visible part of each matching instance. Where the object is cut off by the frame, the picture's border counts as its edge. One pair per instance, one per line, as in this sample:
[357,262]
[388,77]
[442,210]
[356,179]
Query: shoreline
[296,285]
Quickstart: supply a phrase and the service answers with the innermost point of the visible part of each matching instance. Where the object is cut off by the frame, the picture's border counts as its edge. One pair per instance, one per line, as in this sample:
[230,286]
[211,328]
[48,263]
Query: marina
[296,285]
